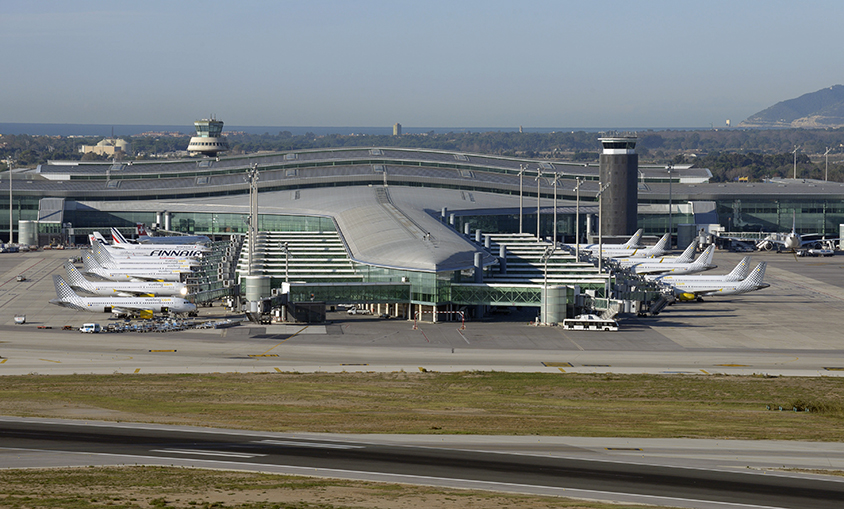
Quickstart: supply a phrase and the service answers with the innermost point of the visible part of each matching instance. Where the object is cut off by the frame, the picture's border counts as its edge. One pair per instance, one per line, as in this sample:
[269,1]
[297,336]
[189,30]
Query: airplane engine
[686,297]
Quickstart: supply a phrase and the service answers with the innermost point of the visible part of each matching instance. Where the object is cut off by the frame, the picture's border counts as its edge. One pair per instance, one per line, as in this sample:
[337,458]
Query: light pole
[826,170]
[603,188]
[577,219]
[556,178]
[252,178]
[795,161]
[285,248]
[522,169]
[670,168]
[538,176]
[11,223]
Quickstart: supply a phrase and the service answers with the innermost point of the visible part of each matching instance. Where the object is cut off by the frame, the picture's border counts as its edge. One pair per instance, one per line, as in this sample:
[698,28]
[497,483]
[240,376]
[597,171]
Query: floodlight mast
[522,169]
[252,178]
[826,169]
[795,161]
[538,176]
[9,162]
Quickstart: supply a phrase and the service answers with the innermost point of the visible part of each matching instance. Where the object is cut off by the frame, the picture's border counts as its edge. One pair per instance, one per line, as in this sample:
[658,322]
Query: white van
[90,328]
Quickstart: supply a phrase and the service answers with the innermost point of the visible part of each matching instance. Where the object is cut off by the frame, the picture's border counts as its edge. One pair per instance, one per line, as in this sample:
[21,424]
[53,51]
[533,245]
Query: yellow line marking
[561,369]
[138,370]
[423,369]
[283,340]
[557,364]
[704,371]
[278,370]
[3,361]
[162,350]
[48,360]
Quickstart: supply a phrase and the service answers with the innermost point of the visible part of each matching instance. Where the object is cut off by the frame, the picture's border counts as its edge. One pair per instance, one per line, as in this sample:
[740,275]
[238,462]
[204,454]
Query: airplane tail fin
[118,237]
[754,280]
[689,254]
[141,229]
[64,292]
[741,271]
[75,278]
[660,246]
[99,237]
[90,264]
[635,239]
[705,258]
[103,257]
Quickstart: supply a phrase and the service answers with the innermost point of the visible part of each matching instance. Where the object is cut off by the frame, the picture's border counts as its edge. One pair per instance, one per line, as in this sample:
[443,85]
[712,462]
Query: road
[645,471]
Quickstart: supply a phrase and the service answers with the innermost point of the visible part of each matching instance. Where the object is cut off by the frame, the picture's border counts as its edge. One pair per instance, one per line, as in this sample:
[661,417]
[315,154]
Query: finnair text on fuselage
[175,253]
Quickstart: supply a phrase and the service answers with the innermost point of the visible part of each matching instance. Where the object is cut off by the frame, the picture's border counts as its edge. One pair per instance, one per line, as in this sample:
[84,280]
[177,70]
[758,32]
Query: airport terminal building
[435,229]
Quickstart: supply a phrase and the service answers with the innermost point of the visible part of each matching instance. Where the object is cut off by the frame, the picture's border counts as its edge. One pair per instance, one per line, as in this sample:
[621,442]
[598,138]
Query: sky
[432,63]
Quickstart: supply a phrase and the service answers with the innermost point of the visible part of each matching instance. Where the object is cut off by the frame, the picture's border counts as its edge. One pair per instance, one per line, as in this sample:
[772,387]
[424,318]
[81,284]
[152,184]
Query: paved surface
[792,328]
[681,473]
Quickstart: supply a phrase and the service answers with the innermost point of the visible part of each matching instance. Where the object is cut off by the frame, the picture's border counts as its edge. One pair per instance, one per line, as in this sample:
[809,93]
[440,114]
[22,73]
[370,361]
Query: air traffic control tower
[620,170]
[209,140]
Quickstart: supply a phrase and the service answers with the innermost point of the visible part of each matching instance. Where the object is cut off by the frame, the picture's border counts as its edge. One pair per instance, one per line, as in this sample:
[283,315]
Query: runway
[680,473]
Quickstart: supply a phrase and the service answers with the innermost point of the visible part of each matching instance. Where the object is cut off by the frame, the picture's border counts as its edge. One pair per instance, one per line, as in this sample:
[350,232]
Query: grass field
[160,487]
[449,403]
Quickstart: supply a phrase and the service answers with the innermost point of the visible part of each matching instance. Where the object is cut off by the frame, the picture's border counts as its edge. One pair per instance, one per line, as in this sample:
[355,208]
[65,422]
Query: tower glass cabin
[209,139]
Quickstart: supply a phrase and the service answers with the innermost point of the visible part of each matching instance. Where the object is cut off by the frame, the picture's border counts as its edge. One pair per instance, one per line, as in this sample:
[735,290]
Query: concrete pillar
[479,269]
[478,236]
[443,214]
[451,220]
[466,230]
[167,221]
[487,241]
[502,259]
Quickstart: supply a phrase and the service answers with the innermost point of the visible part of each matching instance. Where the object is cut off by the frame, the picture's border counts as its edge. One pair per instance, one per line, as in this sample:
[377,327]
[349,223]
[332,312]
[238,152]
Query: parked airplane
[685,257]
[687,288]
[702,263]
[119,241]
[633,243]
[658,249]
[110,261]
[120,306]
[145,238]
[741,271]
[137,274]
[157,251]
[127,289]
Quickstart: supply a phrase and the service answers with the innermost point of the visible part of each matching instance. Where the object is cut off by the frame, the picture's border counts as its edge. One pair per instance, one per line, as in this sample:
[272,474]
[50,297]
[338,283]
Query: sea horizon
[96,130]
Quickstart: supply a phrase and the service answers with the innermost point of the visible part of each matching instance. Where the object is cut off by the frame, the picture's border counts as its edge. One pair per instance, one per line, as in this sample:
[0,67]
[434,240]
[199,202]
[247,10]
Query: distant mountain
[824,108]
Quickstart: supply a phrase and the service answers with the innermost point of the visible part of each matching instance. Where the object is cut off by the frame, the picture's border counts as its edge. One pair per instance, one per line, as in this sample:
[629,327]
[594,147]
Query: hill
[824,108]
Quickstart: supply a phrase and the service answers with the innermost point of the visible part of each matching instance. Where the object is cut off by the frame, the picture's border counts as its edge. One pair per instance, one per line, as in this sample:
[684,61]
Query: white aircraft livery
[127,274]
[633,243]
[127,289]
[121,306]
[740,272]
[153,251]
[685,257]
[658,249]
[702,263]
[119,241]
[686,288]
[105,259]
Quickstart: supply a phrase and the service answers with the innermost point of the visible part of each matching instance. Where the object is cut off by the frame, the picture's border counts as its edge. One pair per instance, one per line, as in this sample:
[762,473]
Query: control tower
[209,140]
[619,170]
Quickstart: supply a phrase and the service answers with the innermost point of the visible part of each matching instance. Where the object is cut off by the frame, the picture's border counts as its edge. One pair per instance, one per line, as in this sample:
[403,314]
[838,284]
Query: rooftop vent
[291,157]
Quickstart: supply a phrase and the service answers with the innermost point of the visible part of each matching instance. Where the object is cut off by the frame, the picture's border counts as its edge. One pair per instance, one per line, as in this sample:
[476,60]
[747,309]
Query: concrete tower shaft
[619,164]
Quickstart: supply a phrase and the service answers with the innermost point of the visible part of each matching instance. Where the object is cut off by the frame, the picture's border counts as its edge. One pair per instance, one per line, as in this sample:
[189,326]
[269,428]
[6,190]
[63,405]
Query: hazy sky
[431,63]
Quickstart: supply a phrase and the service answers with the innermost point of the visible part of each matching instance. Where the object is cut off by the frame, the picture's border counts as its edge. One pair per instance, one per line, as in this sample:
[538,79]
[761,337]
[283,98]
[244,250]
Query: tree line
[729,153]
